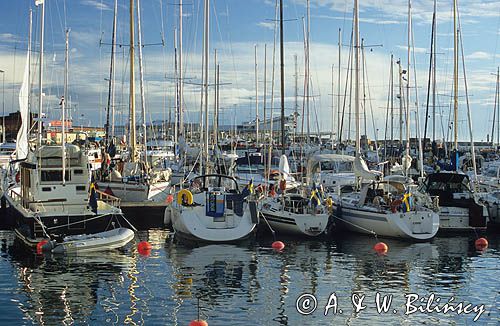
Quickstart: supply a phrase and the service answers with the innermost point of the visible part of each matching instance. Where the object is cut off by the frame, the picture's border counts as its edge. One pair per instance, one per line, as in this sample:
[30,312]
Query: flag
[39,2]
[93,198]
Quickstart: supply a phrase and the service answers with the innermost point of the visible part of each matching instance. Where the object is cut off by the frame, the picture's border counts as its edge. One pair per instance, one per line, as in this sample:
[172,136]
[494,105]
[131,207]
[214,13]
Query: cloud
[267,25]
[99,5]
[9,38]
[479,55]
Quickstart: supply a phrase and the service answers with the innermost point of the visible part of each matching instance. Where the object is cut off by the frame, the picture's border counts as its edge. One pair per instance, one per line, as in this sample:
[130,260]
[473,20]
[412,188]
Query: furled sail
[284,167]
[361,170]
[22,134]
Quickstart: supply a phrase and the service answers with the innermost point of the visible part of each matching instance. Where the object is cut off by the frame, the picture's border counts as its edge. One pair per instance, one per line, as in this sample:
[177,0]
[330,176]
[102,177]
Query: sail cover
[22,134]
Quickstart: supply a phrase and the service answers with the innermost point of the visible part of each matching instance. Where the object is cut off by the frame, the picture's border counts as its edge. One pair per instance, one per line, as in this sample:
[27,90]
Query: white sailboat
[381,208]
[214,210]
[134,182]
[295,213]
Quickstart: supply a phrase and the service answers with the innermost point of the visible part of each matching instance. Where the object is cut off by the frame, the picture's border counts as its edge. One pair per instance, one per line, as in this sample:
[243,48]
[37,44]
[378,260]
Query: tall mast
[400,88]
[132,86]
[497,106]
[282,71]
[256,99]
[308,72]
[205,82]
[111,95]
[214,123]
[392,103]
[40,76]
[339,113]
[434,75]
[265,91]
[356,75]
[181,80]
[455,78]
[176,106]
[333,110]
[407,150]
[141,78]
[63,105]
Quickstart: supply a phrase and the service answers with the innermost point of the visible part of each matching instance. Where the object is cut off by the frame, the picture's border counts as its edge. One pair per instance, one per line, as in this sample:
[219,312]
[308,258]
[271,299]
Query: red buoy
[170,199]
[39,246]
[481,244]
[144,248]
[381,248]
[278,245]
[198,322]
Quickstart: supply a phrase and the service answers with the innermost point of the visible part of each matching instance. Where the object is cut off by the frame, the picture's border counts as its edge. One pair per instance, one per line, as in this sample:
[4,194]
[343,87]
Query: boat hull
[296,224]
[191,223]
[413,225]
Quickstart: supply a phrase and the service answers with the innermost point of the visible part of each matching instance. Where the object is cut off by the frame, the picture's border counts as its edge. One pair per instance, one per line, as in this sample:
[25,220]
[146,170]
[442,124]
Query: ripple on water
[242,284]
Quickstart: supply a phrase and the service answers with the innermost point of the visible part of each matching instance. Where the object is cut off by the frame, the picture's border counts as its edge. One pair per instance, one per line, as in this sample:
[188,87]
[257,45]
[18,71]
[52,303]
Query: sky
[238,29]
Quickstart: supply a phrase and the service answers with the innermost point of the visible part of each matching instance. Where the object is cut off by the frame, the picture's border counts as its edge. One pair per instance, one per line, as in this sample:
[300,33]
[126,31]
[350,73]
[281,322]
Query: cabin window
[46,189]
[78,172]
[54,176]
[80,188]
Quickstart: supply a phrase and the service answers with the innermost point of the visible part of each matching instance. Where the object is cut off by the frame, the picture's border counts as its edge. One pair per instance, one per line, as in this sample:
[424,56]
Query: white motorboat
[45,205]
[459,210]
[213,210]
[108,240]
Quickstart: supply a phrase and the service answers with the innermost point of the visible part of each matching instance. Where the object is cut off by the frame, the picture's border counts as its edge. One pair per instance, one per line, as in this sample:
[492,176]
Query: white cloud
[100,5]
[479,55]
[267,25]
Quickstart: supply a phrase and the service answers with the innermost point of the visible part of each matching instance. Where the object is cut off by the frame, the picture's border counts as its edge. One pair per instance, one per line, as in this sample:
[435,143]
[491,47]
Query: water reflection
[64,289]
[245,283]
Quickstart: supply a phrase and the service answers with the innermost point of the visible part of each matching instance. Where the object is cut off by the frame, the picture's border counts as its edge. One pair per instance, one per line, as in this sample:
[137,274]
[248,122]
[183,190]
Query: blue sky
[237,26]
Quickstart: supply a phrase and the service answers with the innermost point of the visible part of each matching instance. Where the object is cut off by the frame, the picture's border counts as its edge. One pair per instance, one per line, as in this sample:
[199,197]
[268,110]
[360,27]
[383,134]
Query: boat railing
[107,198]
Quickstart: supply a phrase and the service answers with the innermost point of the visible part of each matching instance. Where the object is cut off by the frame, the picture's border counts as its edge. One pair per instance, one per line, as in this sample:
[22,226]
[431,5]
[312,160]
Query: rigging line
[469,116]
[371,106]
[348,78]
[417,119]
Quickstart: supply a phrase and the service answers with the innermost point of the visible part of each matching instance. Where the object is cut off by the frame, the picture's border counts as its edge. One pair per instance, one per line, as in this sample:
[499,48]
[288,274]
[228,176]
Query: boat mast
[132,87]
[407,148]
[176,95]
[205,81]
[497,102]
[141,79]
[40,75]
[455,81]
[181,80]
[282,69]
[111,88]
[63,105]
[256,99]
[264,92]
[333,110]
[307,75]
[433,53]
[356,76]
[338,87]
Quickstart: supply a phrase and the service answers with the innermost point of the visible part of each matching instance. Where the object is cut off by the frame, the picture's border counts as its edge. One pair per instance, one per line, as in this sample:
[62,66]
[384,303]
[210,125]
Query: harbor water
[252,284]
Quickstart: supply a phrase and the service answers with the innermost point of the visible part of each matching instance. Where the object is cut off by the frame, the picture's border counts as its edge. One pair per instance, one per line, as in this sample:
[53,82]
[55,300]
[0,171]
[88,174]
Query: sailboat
[137,186]
[292,213]
[382,208]
[459,209]
[51,199]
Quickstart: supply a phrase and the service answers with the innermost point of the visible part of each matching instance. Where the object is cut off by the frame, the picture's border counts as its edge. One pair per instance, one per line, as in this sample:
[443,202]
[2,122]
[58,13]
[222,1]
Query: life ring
[395,204]
[18,177]
[180,197]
